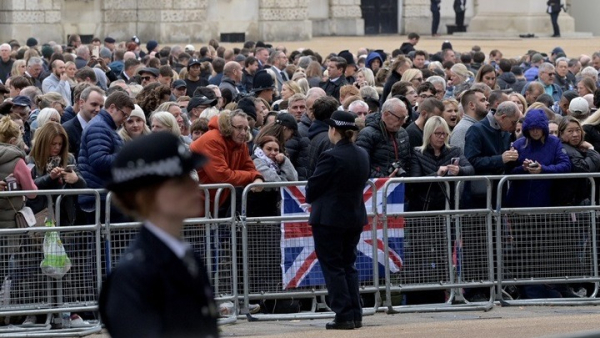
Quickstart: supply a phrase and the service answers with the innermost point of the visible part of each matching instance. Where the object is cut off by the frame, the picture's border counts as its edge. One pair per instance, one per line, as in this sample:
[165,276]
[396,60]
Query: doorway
[381,16]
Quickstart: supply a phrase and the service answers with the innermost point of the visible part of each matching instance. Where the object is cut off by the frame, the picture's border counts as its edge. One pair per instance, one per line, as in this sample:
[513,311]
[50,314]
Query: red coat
[229,162]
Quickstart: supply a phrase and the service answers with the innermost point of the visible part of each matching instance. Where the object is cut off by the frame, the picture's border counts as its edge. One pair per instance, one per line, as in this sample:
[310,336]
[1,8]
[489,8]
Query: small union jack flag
[300,265]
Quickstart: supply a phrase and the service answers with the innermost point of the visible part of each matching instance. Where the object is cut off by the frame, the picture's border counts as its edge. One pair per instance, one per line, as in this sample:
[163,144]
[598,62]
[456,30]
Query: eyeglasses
[241,129]
[401,118]
[551,74]
[146,78]
[440,134]
[425,96]
[124,113]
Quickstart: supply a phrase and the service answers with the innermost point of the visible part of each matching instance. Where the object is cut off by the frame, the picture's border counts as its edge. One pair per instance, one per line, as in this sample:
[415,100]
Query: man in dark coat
[335,71]
[435,13]
[317,133]
[386,141]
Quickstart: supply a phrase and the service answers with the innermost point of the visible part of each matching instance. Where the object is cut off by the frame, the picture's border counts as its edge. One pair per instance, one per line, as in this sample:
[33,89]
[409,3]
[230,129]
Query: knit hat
[247,106]
[31,42]
[47,51]
[138,112]
[151,45]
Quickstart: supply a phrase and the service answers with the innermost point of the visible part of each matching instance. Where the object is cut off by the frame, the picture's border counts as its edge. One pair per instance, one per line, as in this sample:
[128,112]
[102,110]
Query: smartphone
[455,160]
[70,168]
[96,51]
[534,165]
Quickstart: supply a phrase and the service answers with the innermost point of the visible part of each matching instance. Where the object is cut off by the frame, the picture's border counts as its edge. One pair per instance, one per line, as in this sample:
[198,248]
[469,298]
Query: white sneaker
[253,308]
[30,320]
[226,309]
[76,321]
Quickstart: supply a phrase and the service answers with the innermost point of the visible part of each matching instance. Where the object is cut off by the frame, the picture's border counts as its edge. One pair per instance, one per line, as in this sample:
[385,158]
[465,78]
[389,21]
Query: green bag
[56,263]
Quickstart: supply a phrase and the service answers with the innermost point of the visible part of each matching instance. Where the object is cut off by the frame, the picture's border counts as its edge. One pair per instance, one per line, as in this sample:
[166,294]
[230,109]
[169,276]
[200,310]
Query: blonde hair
[411,74]
[8,129]
[431,125]
[368,74]
[46,100]
[462,71]
[14,71]
[293,86]
[167,120]
[521,99]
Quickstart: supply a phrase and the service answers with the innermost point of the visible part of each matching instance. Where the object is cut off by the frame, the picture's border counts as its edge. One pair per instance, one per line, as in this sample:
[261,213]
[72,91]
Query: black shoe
[556,36]
[334,325]
[357,324]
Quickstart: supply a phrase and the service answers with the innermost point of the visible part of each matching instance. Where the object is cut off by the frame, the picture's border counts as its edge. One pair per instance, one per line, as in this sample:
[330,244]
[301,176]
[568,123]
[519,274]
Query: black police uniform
[338,216]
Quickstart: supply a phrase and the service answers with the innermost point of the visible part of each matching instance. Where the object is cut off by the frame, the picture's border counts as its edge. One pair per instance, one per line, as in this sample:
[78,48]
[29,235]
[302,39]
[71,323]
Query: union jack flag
[300,265]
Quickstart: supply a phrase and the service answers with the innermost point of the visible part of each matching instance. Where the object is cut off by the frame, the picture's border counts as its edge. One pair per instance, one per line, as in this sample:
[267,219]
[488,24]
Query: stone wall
[344,18]
[284,20]
[22,19]
[417,16]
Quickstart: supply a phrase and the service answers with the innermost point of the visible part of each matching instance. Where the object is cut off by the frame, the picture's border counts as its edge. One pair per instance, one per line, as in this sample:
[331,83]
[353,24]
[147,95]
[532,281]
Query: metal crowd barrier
[434,242]
[26,291]
[262,254]
[551,250]
[212,237]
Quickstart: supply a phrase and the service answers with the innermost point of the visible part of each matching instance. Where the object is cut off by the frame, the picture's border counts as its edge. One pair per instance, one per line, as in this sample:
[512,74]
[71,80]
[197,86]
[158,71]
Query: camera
[11,183]
[396,165]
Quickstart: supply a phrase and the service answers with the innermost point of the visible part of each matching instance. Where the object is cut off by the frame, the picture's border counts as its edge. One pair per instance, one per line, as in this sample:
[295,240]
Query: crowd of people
[259,113]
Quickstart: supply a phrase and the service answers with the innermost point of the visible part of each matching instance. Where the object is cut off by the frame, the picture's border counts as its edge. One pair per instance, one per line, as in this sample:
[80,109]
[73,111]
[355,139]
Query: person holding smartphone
[435,158]
[53,167]
[539,153]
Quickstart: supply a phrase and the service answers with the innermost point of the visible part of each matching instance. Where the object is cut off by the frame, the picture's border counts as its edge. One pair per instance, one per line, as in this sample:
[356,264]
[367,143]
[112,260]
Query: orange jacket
[229,162]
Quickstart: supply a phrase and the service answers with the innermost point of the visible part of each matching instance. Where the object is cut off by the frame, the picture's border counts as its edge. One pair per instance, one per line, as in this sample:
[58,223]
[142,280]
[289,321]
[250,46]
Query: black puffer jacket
[430,196]
[379,144]
[506,80]
[319,142]
[304,124]
[576,191]
[297,149]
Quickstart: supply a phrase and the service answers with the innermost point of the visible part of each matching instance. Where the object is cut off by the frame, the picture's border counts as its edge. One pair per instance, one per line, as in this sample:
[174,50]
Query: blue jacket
[99,146]
[372,56]
[484,146]
[549,154]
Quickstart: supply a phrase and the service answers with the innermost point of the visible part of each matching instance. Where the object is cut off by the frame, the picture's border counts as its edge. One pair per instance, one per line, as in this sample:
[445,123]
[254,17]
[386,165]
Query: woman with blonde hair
[164,121]
[303,83]
[70,69]
[173,108]
[290,88]
[414,76]
[18,68]
[135,125]
[460,78]
[364,77]
[519,100]
[13,167]
[450,113]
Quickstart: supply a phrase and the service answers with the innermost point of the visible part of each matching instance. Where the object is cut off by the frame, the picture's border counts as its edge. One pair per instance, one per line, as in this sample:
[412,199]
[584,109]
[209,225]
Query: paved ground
[500,322]
[510,47]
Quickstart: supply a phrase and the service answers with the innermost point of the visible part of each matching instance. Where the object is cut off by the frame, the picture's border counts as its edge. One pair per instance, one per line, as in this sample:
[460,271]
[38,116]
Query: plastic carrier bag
[56,263]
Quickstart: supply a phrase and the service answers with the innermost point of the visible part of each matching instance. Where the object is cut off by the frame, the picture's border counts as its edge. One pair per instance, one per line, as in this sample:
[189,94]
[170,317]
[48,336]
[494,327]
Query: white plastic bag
[56,263]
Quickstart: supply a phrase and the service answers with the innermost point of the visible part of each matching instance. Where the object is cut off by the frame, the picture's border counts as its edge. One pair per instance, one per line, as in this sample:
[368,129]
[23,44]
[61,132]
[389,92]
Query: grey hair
[357,103]
[590,72]
[561,59]
[168,120]
[34,61]
[392,103]
[82,50]
[437,79]
[546,66]
[507,108]
[368,91]
[304,61]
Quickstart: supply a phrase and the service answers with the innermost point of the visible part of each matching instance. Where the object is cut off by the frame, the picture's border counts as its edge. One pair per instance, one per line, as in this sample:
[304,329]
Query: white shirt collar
[177,246]
[83,122]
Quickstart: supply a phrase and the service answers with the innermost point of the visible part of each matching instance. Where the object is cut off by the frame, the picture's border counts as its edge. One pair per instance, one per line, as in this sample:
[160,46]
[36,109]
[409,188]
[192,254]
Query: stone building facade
[187,21]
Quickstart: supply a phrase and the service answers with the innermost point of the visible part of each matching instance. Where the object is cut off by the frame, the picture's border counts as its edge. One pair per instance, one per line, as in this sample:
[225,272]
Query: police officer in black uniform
[338,215]
[159,288]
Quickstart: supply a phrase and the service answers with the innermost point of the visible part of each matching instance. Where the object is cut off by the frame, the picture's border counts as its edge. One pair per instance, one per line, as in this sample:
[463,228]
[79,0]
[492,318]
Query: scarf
[260,154]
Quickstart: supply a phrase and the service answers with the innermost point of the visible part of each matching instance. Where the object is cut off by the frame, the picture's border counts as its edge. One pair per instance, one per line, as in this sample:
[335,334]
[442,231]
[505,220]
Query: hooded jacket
[379,144]
[228,161]
[371,57]
[548,152]
[319,142]
[506,80]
